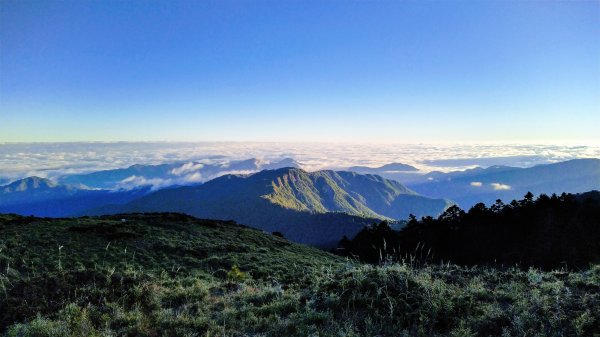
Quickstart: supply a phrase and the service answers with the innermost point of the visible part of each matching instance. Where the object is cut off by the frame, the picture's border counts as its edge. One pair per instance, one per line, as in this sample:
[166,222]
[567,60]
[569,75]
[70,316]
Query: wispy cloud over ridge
[185,168]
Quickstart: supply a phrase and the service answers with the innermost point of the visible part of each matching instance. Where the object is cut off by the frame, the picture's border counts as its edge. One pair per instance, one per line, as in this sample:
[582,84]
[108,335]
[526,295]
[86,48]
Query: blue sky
[368,71]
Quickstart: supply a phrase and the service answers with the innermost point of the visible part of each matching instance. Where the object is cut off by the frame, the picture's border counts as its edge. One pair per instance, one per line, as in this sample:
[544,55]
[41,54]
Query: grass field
[173,275]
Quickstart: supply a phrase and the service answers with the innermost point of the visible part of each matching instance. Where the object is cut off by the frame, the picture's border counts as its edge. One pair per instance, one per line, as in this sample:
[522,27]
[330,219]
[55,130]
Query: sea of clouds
[50,160]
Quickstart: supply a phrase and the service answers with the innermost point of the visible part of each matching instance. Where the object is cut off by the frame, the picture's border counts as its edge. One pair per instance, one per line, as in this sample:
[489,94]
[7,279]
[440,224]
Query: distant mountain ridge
[33,189]
[507,183]
[392,167]
[43,197]
[29,183]
[178,173]
[310,207]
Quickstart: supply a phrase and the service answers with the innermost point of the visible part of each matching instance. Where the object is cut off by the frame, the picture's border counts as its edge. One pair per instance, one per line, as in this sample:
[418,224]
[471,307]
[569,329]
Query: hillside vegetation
[174,275]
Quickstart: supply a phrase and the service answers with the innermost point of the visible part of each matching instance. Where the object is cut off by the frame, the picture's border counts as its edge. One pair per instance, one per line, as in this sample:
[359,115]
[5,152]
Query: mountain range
[315,208]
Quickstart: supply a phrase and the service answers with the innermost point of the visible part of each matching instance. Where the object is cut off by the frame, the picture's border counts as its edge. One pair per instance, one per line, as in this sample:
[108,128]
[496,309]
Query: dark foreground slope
[43,256]
[157,241]
[173,275]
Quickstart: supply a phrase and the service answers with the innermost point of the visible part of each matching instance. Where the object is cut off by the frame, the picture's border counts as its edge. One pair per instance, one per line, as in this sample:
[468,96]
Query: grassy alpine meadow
[173,275]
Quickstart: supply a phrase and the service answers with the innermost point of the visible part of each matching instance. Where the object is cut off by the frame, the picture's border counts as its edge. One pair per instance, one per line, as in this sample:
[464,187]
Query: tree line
[547,232]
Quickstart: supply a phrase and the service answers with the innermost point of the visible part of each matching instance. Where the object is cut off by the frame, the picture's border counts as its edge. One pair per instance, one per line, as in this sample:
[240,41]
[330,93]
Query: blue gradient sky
[300,71]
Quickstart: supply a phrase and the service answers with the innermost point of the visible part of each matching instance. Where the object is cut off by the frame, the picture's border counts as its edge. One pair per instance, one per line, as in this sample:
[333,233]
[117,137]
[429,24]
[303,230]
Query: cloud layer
[56,159]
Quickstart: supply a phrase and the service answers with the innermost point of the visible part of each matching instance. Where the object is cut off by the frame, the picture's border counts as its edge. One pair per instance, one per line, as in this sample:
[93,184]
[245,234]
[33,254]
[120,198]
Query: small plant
[235,274]
[59,258]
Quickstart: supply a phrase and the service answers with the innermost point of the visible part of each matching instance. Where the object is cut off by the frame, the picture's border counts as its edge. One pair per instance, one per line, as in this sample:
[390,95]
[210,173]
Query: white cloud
[236,172]
[187,167]
[157,183]
[476,183]
[500,187]
[137,181]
